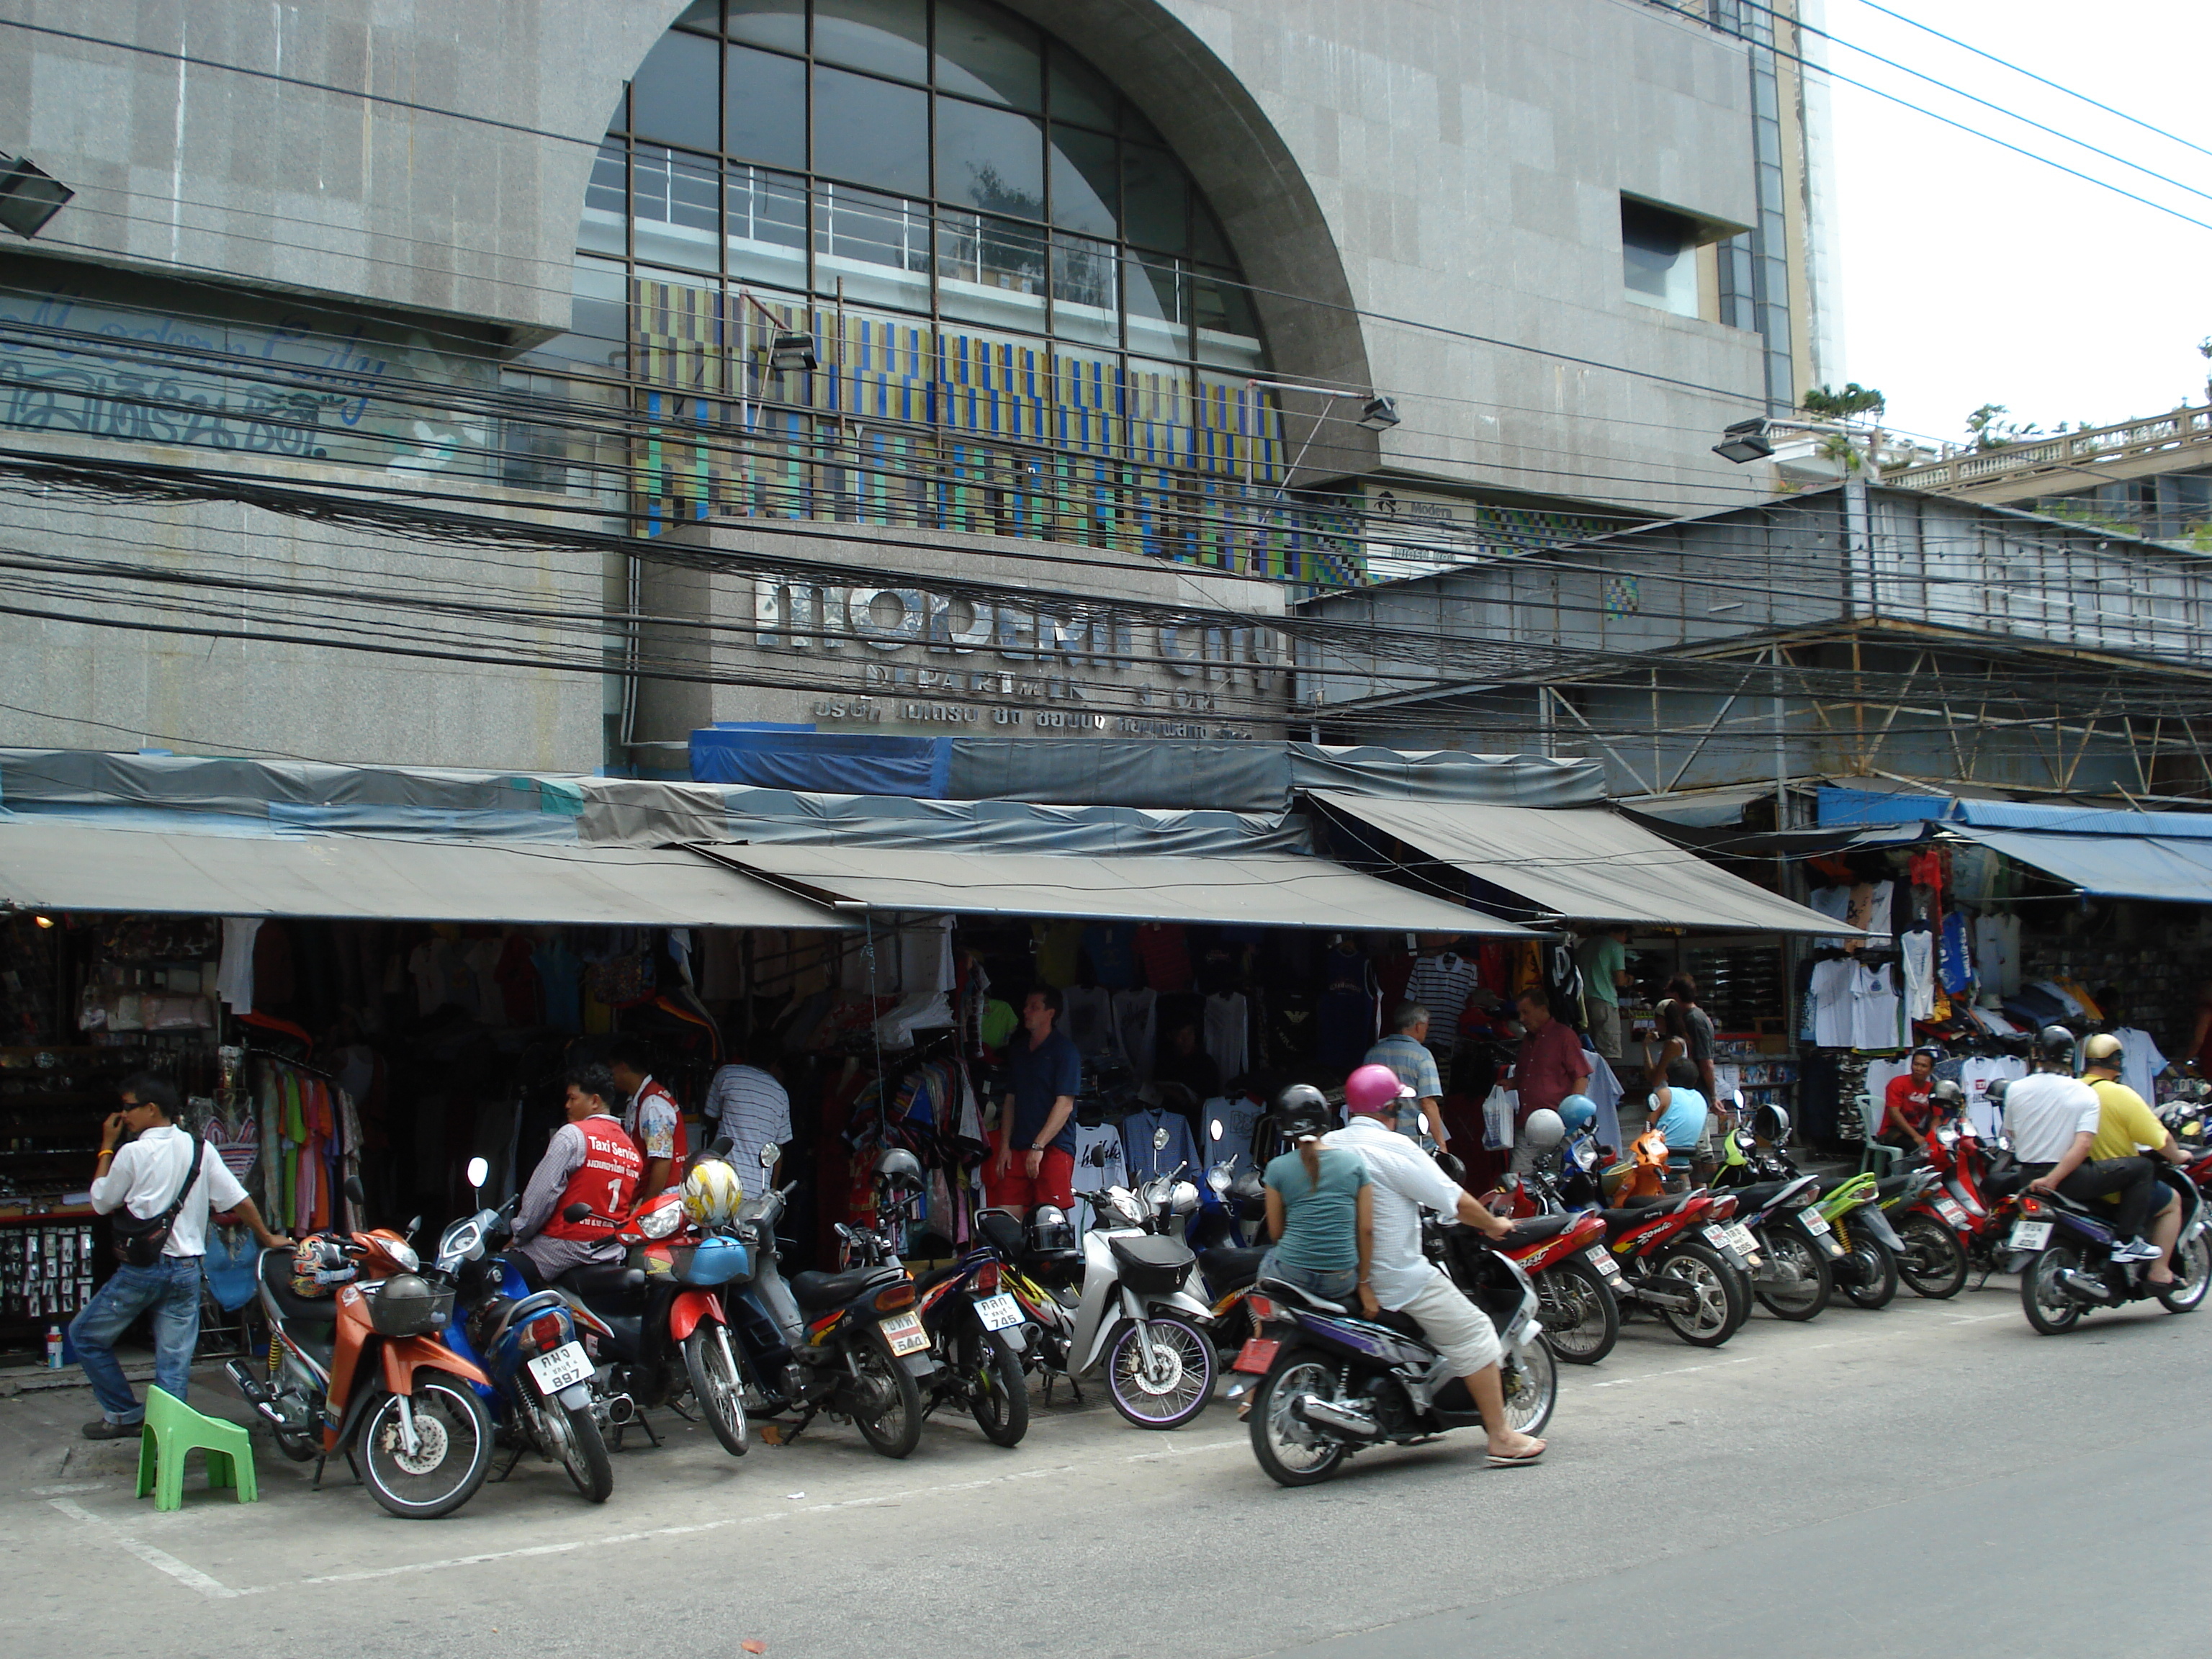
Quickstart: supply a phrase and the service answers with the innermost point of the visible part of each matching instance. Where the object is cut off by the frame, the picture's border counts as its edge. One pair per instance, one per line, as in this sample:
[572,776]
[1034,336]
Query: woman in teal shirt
[1320,1209]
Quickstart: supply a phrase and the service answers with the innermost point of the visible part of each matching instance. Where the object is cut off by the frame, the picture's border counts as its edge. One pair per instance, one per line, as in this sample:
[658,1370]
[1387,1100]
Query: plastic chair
[173,1429]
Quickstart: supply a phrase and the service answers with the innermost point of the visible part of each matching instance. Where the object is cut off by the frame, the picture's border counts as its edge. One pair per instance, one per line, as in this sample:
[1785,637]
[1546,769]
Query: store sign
[919,656]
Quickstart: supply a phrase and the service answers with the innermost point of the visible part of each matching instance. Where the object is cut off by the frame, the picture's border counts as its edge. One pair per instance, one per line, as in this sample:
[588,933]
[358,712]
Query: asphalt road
[1933,1478]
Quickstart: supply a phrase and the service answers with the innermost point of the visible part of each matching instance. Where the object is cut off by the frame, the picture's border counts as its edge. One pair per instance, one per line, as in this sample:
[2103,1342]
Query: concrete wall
[248,669]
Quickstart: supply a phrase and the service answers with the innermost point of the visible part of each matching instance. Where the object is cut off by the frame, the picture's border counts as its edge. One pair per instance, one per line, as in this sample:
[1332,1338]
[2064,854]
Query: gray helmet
[2055,1045]
[897,1167]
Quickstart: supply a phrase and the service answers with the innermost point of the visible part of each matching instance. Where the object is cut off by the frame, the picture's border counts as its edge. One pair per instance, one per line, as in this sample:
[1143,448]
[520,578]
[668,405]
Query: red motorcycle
[1575,1277]
[1961,1207]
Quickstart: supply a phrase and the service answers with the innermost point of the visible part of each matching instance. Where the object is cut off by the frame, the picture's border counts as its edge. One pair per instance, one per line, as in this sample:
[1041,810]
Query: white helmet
[1544,1128]
[712,1194]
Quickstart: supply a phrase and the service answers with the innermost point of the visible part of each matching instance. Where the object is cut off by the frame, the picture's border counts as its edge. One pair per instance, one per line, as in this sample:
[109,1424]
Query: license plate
[1949,1210]
[566,1366]
[1814,1223]
[1739,1235]
[997,1312]
[906,1334]
[1601,1259]
[2029,1235]
[1256,1355]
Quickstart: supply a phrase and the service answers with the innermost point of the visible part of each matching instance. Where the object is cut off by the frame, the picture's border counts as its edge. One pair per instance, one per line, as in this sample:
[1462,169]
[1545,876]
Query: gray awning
[2176,870]
[68,866]
[1583,863]
[1271,890]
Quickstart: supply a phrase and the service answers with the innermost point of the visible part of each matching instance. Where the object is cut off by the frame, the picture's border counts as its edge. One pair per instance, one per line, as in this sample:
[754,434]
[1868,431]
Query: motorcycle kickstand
[511,1462]
[643,1423]
[316,1484]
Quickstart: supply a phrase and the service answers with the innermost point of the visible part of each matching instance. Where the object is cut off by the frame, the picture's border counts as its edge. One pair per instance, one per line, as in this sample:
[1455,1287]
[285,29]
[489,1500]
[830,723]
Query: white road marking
[82,1486]
[161,1560]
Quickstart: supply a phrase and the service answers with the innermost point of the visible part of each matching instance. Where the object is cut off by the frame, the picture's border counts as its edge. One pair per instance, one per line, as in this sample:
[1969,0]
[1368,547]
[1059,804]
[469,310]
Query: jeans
[1339,1285]
[172,1290]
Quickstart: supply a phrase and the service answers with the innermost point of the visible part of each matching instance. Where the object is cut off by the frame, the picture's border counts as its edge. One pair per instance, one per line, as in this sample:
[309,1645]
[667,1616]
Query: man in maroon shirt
[1551,1064]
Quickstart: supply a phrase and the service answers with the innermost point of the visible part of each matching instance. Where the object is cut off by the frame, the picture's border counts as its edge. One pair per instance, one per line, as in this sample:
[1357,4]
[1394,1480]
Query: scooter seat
[1536,1228]
[1752,1198]
[815,1289]
[603,1278]
[1886,1190]
[1229,1268]
[306,1310]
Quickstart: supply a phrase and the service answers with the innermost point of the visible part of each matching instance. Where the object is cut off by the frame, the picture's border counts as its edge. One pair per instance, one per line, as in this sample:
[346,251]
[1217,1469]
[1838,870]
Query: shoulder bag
[140,1240]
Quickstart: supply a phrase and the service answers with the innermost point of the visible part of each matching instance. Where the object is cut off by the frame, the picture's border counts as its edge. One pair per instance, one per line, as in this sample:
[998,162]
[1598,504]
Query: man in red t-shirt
[1904,1104]
[1550,1065]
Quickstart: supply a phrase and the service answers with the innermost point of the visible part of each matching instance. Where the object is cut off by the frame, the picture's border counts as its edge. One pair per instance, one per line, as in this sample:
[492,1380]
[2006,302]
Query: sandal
[1519,1460]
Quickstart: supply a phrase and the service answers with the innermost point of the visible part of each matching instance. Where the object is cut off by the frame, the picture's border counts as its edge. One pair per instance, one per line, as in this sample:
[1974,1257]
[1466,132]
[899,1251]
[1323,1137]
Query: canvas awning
[1583,864]
[65,866]
[1270,890]
[2177,870]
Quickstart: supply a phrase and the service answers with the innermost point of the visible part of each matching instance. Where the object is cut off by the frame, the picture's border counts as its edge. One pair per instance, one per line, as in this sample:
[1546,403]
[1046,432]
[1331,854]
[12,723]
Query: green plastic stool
[173,1429]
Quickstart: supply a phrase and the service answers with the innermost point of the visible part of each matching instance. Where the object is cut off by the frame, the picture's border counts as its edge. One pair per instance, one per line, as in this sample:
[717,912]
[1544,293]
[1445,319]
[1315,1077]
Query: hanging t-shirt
[1166,957]
[1057,942]
[1442,983]
[1135,1016]
[1975,1077]
[1228,1024]
[1956,968]
[1831,999]
[1089,1014]
[925,955]
[1875,1009]
[1156,1142]
[1917,956]
[1098,1160]
[2140,1061]
[1112,948]
[1605,1091]
[560,971]
[1239,1117]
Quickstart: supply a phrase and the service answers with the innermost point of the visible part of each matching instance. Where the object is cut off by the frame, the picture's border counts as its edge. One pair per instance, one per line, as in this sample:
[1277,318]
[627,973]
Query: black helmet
[1994,1090]
[1303,1110]
[2055,1043]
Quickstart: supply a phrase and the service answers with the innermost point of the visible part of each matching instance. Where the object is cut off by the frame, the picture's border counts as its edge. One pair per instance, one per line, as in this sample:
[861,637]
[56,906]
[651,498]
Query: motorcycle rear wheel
[454,1440]
[2192,1277]
[1876,1284]
[1576,1294]
[711,1366]
[1170,1400]
[1933,1261]
[574,1438]
[1702,1271]
[998,1388]
[1807,1294]
[895,1430]
[2044,1298]
[1292,1453]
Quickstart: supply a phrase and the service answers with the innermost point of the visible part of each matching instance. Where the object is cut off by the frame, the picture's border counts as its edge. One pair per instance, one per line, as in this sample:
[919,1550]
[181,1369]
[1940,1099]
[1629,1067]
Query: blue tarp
[2177,870]
[1878,806]
[1843,806]
[827,763]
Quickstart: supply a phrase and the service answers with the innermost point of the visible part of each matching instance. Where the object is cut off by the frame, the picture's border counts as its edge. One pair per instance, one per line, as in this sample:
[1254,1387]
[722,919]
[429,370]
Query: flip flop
[1518,1460]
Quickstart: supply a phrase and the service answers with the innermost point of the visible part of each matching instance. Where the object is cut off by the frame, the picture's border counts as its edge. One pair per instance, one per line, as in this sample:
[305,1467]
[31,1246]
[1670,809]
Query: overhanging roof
[1272,890]
[1584,864]
[2176,870]
[68,866]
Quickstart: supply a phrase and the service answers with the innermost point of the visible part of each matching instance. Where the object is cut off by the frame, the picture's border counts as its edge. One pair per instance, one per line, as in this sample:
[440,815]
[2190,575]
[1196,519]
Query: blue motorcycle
[544,1394]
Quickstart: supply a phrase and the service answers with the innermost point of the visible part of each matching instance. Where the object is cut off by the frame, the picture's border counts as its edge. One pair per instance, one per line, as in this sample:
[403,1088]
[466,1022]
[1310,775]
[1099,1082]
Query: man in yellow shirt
[2126,1127]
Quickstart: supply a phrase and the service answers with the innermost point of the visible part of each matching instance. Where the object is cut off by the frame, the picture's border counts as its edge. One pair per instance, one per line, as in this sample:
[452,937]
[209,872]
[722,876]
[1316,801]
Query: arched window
[1024,317]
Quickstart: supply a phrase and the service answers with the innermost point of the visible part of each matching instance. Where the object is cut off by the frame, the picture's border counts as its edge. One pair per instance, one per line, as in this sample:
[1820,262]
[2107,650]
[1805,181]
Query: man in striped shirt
[753,1110]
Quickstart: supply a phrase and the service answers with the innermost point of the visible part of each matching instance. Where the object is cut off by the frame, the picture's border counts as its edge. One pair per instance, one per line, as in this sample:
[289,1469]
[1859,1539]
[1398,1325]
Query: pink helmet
[1371,1088]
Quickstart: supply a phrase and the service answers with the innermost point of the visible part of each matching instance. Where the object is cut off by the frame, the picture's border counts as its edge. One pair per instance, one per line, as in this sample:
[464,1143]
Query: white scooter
[1138,1312]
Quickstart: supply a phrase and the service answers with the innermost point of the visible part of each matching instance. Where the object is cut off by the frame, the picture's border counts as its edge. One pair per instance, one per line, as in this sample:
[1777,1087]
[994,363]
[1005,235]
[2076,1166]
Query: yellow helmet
[712,1194]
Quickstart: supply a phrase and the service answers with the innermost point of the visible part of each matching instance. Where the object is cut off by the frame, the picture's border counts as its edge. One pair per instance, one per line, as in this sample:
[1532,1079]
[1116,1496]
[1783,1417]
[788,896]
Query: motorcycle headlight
[1183,1198]
[1218,1178]
[1586,1156]
[658,1223]
[404,1255]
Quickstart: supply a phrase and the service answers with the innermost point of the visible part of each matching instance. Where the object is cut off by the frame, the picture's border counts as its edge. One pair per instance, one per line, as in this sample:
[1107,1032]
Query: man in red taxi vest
[589,1161]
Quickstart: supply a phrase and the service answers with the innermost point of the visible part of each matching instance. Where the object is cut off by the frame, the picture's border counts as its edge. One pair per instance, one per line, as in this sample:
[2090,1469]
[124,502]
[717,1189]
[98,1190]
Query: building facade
[527,382]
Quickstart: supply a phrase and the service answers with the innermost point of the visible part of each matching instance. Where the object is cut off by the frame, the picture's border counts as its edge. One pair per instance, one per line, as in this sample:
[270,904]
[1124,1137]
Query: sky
[1971,274]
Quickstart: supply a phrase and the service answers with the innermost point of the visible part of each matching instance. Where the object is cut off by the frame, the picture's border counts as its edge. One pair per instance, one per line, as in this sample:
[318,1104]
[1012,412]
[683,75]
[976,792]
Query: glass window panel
[1079,93]
[702,14]
[877,245]
[887,36]
[1134,125]
[677,95]
[1087,291]
[1209,243]
[606,204]
[765,118]
[991,270]
[1228,330]
[765,220]
[1157,298]
[992,159]
[599,324]
[1153,195]
[871,133]
[984,53]
[780,23]
[678,203]
[1085,190]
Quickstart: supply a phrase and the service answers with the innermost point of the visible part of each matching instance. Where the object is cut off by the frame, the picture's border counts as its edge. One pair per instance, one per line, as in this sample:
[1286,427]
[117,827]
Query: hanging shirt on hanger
[1875,1009]
[1089,1018]
[1830,1000]
[1135,1014]
[2140,1061]
[1442,983]
[1112,948]
[1155,1142]
[1956,968]
[1166,956]
[1099,1163]
[1227,1030]
[1917,953]
[1239,1116]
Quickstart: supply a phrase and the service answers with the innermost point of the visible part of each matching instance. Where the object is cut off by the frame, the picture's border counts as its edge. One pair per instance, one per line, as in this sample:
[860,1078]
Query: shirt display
[1917,956]
[1442,984]
[1158,1143]
[1875,1008]
[1239,1117]
[1112,949]
[1957,971]
[1997,952]
[1087,1012]
[1975,1076]
[1227,1033]
[1161,947]
[2140,1061]
[1057,943]
[1870,907]
[1830,1000]
[2043,1112]
[1098,1160]
[1135,1014]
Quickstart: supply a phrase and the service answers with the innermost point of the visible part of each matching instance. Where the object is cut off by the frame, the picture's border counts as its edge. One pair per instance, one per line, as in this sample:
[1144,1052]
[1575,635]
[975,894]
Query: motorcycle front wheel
[1294,1453]
[452,1455]
[998,1390]
[893,1428]
[2043,1295]
[1705,1276]
[574,1438]
[1171,1386]
[1581,1320]
[711,1366]
[1531,1380]
[1795,1283]
[2192,1276]
[1933,1261]
[1874,1284]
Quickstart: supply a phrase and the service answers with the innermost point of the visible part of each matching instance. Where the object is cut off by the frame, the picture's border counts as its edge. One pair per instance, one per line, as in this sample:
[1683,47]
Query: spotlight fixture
[1746,440]
[28,196]
[1379,414]
[792,352]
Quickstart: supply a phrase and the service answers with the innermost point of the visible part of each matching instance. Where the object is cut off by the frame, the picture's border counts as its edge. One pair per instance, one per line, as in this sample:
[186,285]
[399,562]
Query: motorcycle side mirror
[1160,1139]
[577,1212]
[414,1225]
[769,1155]
[354,1190]
[1213,1127]
[478,1170]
